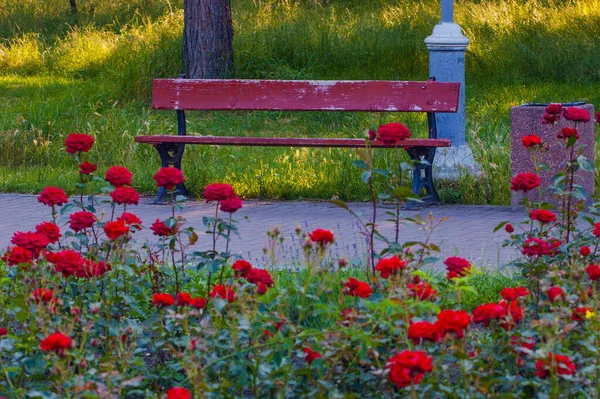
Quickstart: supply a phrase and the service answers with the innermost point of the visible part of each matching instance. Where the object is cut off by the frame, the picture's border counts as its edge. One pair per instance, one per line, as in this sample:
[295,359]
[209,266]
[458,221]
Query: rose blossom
[311,355]
[223,292]
[513,310]
[354,287]
[53,196]
[160,229]
[115,229]
[593,272]
[509,228]
[423,330]
[125,195]
[178,393]
[231,204]
[15,256]
[525,182]
[554,293]
[218,192]
[322,237]
[585,250]
[596,231]
[408,367]
[131,220]
[581,313]
[558,364]
[76,142]
[457,266]
[3,331]
[91,269]
[163,300]
[576,114]
[184,299]
[198,303]
[554,108]
[81,220]
[87,168]
[168,178]
[31,241]
[241,267]
[57,342]
[531,140]
[259,276]
[453,321]
[388,266]
[68,262]
[42,295]
[118,176]
[568,132]
[421,291]
[536,247]
[510,294]
[391,133]
[484,314]
[542,215]
[50,230]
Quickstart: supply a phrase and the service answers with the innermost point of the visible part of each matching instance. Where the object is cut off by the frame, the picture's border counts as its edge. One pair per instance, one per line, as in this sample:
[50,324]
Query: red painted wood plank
[304,95]
[287,142]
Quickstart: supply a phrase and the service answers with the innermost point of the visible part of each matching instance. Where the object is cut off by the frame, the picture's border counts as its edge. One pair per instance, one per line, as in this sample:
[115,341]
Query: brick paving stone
[468,232]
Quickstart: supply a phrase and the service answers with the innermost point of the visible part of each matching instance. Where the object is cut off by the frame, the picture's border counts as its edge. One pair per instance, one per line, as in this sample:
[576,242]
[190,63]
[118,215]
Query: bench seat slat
[302,95]
[287,142]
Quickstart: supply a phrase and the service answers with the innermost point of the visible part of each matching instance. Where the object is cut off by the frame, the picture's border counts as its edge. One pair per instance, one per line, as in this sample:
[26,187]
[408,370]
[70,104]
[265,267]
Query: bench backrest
[305,95]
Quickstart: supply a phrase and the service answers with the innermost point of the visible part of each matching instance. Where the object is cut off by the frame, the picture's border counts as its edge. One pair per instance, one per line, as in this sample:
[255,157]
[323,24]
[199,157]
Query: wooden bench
[301,95]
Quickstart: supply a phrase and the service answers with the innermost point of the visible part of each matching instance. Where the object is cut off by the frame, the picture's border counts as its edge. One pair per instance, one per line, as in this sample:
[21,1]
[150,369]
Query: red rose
[387,266]
[576,114]
[593,272]
[231,204]
[531,140]
[15,256]
[311,355]
[580,314]
[509,228]
[67,262]
[597,117]
[218,192]
[184,299]
[198,303]
[53,196]
[259,276]
[520,343]
[596,231]
[484,314]
[373,134]
[76,142]
[160,229]
[87,168]
[510,294]
[118,176]
[554,109]
[453,321]
[91,269]
[57,342]
[392,133]
[542,215]
[125,195]
[585,250]
[321,237]
[81,220]
[567,132]
[556,364]
[50,230]
[423,330]
[525,182]
[421,291]
[241,268]
[536,247]
[513,310]
[354,287]
[457,267]
[223,292]
[549,119]
[554,293]
[162,300]
[31,241]
[408,367]
[131,220]
[349,316]
[178,393]
[115,229]
[168,178]
[42,295]
[3,331]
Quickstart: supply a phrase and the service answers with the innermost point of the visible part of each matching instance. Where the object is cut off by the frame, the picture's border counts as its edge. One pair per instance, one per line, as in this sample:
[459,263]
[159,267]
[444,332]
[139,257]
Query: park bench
[303,95]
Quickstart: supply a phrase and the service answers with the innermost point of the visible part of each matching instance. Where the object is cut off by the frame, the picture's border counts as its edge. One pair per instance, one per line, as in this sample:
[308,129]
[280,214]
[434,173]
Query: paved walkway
[468,230]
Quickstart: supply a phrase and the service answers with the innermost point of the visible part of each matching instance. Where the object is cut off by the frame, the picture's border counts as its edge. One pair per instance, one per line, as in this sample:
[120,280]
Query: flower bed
[86,312]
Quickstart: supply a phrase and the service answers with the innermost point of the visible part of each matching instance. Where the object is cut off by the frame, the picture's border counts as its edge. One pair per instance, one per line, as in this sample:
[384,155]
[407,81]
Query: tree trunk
[207,39]
[73,4]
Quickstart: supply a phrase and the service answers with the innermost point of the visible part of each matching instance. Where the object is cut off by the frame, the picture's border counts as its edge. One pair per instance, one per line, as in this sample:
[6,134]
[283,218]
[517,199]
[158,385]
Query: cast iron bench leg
[422,158]
[170,155]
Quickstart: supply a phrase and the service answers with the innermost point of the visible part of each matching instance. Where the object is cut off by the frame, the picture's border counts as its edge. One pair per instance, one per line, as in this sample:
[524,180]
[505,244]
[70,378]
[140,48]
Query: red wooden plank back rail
[303,95]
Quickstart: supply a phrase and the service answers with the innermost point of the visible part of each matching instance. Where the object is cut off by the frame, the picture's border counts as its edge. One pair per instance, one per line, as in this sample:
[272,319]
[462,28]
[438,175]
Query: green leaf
[366,176]
[404,193]
[339,203]
[499,226]
[382,172]
[585,163]
[359,164]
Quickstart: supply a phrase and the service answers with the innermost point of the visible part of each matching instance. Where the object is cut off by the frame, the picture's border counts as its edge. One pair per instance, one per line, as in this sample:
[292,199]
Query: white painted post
[447,46]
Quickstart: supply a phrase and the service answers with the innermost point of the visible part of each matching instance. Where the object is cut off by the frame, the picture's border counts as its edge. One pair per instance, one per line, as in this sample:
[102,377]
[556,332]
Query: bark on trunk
[73,7]
[207,39]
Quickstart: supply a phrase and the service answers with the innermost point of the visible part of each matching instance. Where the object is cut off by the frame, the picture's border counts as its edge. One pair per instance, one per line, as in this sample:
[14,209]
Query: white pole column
[447,46]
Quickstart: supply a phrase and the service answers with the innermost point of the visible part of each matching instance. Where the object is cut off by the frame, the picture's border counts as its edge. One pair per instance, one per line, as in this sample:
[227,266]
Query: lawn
[93,75]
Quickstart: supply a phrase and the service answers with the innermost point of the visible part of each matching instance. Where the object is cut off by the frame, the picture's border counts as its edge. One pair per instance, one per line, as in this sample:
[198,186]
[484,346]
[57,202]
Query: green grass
[93,75]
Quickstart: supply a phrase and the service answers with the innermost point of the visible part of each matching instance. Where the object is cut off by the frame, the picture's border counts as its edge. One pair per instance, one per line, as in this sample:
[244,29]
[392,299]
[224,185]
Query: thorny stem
[372,231]
[214,247]
[571,171]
